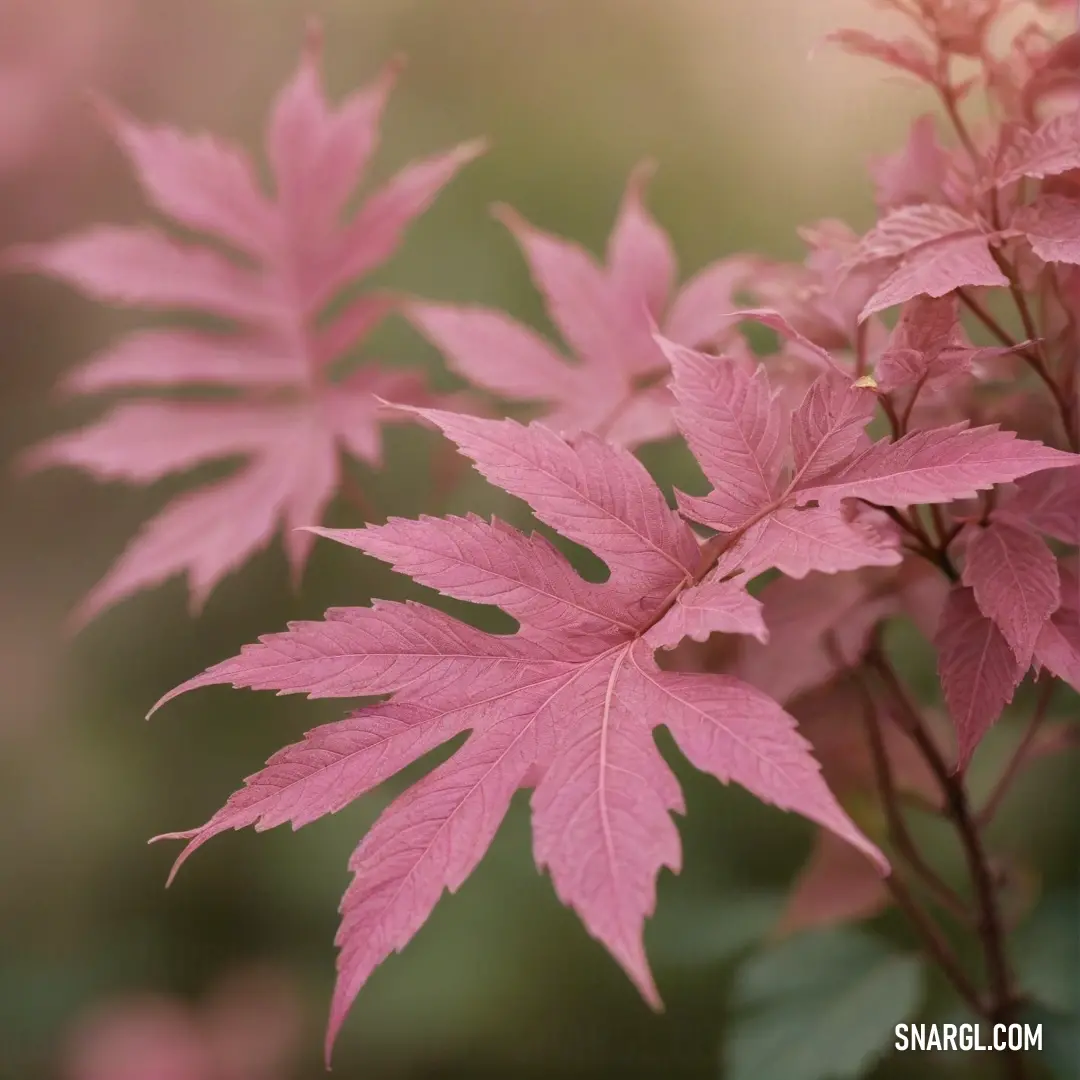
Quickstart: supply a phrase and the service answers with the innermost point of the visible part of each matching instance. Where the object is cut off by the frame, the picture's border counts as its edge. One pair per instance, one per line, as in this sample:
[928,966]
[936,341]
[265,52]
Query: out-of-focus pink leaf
[837,884]
[287,256]
[905,54]
[915,174]
[606,315]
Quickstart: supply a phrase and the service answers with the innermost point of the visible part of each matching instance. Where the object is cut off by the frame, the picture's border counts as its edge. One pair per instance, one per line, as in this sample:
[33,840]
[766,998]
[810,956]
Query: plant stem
[1002,1000]
[898,832]
[1033,359]
[1019,755]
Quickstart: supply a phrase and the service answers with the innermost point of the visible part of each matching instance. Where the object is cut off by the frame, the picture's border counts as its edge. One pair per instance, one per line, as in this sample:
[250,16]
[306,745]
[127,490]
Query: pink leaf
[640,258]
[910,227]
[1052,227]
[936,466]
[1058,647]
[145,268]
[709,608]
[927,349]
[797,541]
[603,324]
[601,815]
[936,269]
[1014,578]
[199,181]
[493,351]
[904,53]
[978,670]
[594,494]
[317,152]
[926,328]
[830,425]
[701,312]
[605,315]
[154,358]
[815,624]
[735,732]
[334,765]
[362,652]
[303,254]
[1052,149]
[733,426]
[207,533]
[601,314]
[836,885]
[171,436]
[567,704]
[429,839]
[492,563]
[1048,502]
[914,175]
[379,226]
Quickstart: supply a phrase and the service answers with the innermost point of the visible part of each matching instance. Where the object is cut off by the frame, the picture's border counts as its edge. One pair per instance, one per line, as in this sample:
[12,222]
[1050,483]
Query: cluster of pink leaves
[566,706]
[954,222]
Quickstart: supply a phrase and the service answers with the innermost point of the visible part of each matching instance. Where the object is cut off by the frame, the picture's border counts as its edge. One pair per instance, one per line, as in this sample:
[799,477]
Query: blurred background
[227,975]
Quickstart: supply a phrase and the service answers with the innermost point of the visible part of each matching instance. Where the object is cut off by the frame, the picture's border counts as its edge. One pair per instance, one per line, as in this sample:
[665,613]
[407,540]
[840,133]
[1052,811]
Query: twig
[1003,1001]
[1019,755]
[935,942]
[1033,359]
[898,831]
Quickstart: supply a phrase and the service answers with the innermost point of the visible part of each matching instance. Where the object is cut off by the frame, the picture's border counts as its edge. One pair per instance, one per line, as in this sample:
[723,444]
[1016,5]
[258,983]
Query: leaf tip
[314,39]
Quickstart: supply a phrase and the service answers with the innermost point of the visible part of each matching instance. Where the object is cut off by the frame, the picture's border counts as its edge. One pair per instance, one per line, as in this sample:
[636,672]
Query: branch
[1033,358]
[1019,755]
[1003,1001]
[898,831]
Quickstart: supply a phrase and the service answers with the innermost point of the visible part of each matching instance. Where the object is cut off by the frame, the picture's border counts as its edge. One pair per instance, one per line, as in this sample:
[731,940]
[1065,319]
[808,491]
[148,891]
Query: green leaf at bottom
[823,1005]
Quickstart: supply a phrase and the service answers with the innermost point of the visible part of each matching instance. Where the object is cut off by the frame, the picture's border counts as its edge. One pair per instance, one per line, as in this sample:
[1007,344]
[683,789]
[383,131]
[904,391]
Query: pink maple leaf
[605,316]
[285,414]
[565,705]
[1014,578]
[978,669]
[933,250]
[739,435]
